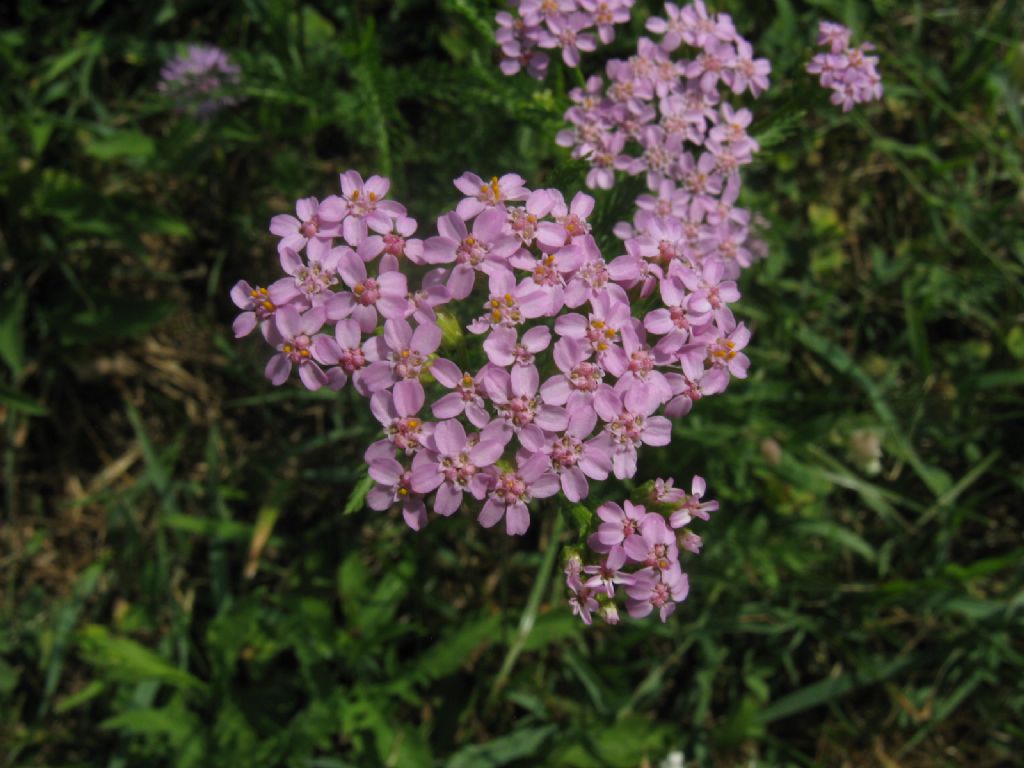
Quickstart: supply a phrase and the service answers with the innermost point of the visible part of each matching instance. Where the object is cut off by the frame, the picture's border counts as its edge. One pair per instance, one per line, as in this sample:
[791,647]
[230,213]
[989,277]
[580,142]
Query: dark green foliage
[190,576]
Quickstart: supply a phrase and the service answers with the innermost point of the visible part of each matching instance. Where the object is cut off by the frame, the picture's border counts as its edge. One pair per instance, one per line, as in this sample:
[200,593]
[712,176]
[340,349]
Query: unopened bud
[451,329]
[610,613]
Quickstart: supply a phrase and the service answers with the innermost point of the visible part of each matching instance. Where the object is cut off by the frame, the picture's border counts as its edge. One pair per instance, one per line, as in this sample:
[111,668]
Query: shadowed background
[189,574]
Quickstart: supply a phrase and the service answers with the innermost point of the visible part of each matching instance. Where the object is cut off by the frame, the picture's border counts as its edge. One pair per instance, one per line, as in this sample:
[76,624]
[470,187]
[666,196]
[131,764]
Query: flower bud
[610,613]
[451,329]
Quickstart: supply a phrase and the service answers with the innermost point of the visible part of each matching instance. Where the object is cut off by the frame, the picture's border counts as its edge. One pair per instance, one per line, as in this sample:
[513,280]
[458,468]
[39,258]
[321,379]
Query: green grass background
[189,577]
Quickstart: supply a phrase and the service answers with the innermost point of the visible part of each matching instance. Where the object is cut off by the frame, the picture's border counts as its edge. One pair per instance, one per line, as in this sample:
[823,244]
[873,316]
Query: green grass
[189,575]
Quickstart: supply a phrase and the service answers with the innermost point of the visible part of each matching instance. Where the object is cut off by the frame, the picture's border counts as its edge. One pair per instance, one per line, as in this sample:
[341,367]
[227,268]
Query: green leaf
[91,690]
[66,619]
[830,689]
[625,743]
[227,530]
[840,535]
[148,722]
[12,333]
[17,401]
[357,499]
[123,659]
[517,745]
[449,654]
[116,318]
[8,678]
[552,628]
[582,520]
[936,479]
[124,144]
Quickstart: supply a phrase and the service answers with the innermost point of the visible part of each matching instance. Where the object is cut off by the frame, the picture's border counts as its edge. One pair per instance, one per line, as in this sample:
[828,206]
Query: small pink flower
[256,306]
[665,492]
[481,195]
[503,347]
[635,365]
[308,284]
[574,457]
[394,486]
[454,464]
[485,250]
[468,394]
[605,576]
[396,411]
[366,206]
[386,293]
[579,378]
[694,383]
[630,423]
[655,548]
[511,492]
[296,347]
[600,328]
[649,591]
[510,303]
[726,351]
[691,506]
[401,353]
[316,224]
[346,352]
[618,524]
[515,396]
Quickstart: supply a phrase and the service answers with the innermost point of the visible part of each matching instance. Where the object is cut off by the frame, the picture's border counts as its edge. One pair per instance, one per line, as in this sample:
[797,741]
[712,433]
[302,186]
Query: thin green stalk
[529,617]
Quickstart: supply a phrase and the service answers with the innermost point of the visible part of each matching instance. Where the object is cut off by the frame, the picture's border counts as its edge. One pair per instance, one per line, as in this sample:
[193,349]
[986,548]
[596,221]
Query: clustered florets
[202,79]
[575,378]
[568,25]
[849,72]
[632,537]
[654,109]
[582,359]
[664,117]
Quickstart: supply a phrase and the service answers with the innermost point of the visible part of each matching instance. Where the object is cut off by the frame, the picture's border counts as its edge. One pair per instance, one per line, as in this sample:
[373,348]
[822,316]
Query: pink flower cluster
[574,372]
[850,73]
[202,78]
[654,109]
[539,25]
[647,543]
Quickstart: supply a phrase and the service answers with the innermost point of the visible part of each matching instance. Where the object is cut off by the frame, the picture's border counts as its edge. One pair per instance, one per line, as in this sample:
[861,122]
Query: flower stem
[529,617]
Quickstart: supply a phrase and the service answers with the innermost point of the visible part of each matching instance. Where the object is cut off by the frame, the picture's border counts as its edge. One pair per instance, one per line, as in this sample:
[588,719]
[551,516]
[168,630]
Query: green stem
[580,78]
[529,617]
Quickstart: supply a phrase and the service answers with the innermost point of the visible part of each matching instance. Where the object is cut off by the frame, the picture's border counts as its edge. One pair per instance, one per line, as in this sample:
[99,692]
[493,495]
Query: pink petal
[448,407]
[283,225]
[278,368]
[484,453]
[445,372]
[450,437]
[525,380]
[574,484]
[448,500]
[460,284]
[385,471]
[408,398]
[491,513]
[517,519]
[426,339]
[244,324]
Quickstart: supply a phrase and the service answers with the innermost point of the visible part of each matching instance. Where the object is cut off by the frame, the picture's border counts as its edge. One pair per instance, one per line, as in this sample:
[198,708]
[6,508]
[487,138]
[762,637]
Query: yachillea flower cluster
[567,25]
[851,73]
[665,117]
[573,362]
[645,542]
[202,79]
